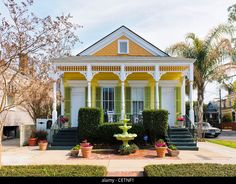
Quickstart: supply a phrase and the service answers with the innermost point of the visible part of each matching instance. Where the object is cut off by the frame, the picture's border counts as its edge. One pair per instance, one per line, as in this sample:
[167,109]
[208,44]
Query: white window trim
[108,83]
[138,83]
[120,41]
[77,83]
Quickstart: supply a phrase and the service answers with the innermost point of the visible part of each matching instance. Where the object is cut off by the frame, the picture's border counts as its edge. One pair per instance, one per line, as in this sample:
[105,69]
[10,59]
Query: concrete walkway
[208,153]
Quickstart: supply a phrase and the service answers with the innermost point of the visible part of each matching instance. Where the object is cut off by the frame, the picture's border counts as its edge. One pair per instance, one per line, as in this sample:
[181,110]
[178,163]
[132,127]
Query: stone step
[63,143]
[180,136]
[60,147]
[180,139]
[183,143]
[178,129]
[179,133]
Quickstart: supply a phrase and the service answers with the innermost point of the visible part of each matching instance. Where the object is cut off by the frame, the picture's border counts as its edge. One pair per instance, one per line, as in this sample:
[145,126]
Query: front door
[168,103]
[77,101]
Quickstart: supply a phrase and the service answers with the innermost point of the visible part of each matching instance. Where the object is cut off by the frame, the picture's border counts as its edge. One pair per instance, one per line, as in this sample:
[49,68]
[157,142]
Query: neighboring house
[123,74]
[227,105]
[17,115]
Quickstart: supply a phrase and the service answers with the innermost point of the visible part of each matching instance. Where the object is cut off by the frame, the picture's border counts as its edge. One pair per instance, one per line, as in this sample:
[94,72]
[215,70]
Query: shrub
[89,121]
[190,170]
[172,147]
[77,147]
[128,150]
[155,123]
[53,170]
[41,135]
[227,118]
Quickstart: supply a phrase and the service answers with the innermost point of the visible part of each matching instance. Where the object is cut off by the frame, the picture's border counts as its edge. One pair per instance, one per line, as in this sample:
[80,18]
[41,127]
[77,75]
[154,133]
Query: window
[123,46]
[108,99]
[137,100]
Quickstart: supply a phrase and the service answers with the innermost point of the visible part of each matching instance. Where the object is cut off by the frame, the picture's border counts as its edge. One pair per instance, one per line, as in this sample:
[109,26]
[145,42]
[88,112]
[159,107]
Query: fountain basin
[125,136]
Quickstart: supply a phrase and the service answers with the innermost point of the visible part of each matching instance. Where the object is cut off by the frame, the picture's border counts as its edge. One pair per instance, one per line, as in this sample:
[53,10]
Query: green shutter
[86,97]
[178,100]
[67,101]
[160,97]
[147,99]
[98,97]
[128,100]
[118,100]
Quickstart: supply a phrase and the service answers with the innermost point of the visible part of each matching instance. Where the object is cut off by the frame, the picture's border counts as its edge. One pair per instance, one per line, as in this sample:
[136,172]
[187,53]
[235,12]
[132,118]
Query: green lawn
[53,170]
[190,170]
[231,144]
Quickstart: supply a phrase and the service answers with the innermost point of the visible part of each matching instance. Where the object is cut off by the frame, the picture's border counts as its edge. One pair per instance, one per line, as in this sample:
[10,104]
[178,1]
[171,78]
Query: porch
[123,86]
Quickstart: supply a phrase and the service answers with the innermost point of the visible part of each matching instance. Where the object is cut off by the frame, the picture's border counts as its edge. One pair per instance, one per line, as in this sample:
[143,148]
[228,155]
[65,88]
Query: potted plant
[180,121]
[172,150]
[86,148]
[33,139]
[42,139]
[64,120]
[75,151]
[161,148]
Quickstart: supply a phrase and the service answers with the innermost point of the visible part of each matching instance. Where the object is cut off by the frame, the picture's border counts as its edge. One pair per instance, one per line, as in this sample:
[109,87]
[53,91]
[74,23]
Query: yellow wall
[171,76]
[112,49]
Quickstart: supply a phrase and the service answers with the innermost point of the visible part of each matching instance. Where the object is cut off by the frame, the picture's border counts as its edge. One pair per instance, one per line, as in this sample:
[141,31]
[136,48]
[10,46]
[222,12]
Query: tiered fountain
[125,136]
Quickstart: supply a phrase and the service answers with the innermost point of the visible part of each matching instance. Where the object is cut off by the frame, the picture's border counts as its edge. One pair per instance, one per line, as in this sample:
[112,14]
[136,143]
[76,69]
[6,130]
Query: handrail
[56,126]
[190,126]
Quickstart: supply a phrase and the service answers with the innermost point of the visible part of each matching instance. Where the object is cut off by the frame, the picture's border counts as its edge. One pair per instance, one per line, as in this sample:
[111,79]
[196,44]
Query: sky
[162,23]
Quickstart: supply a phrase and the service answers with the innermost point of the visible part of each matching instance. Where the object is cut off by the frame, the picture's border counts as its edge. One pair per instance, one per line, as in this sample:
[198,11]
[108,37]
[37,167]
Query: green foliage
[231,144]
[128,150]
[172,147]
[227,118]
[41,134]
[232,13]
[190,170]
[53,171]
[77,147]
[89,121]
[155,123]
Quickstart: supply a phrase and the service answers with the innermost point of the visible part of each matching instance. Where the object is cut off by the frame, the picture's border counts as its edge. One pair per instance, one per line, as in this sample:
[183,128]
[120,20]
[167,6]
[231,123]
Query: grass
[190,170]
[53,171]
[231,144]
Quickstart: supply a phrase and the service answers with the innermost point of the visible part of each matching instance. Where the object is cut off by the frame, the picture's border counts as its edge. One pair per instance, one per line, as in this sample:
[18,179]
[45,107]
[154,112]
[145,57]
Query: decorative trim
[77,83]
[168,83]
[138,83]
[108,83]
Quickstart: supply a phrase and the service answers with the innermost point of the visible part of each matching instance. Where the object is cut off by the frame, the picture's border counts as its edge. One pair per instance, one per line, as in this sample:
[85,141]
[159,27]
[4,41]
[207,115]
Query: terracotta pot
[173,153]
[32,141]
[74,153]
[43,145]
[86,151]
[161,151]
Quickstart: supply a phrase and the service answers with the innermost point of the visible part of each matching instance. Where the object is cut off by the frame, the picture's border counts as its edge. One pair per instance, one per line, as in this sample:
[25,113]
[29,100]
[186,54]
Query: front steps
[64,139]
[181,138]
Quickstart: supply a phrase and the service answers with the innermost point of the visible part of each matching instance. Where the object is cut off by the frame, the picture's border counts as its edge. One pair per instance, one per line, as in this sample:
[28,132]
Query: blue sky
[160,22]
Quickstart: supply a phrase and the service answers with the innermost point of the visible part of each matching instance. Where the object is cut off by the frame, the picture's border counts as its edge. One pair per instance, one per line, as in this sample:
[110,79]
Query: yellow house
[123,74]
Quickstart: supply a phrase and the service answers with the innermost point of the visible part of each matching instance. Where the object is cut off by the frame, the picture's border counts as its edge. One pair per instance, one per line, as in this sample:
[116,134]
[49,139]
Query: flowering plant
[160,143]
[180,119]
[85,143]
[64,119]
[41,134]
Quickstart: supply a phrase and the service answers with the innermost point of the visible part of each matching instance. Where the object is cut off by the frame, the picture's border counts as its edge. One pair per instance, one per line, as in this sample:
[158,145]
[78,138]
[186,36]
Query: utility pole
[220,107]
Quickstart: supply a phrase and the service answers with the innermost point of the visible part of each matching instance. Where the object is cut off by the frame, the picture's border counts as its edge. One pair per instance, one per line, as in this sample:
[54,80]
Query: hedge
[89,121]
[53,170]
[190,170]
[227,118]
[155,123]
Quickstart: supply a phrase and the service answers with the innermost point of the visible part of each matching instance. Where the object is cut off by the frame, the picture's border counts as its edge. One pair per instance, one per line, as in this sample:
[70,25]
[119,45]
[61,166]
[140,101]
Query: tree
[27,43]
[208,53]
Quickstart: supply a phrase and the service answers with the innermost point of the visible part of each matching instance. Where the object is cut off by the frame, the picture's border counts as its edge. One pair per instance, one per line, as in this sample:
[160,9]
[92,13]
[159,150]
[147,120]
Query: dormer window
[123,46]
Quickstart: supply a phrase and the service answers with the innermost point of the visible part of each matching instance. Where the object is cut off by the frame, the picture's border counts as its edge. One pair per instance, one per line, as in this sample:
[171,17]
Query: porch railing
[113,117]
[56,126]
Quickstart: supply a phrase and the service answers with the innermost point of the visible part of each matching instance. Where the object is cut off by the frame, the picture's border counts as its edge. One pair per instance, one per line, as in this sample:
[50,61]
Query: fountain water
[125,136]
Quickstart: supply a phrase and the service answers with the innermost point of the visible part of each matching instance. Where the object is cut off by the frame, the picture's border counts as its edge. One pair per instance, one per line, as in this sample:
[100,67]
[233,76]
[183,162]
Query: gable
[112,49]
[108,46]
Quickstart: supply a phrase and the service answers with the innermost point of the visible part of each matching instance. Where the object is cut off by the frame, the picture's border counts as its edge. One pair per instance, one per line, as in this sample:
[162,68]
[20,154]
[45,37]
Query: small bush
[227,118]
[128,150]
[190,170]
[53,170]
[77,147]
[155,123]
[89,121]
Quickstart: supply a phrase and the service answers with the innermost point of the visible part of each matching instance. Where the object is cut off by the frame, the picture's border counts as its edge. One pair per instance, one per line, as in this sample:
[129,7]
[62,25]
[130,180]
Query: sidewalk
[208,153]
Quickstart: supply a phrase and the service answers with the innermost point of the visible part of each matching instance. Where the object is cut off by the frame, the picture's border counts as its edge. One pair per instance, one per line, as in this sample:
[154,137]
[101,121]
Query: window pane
[123,47]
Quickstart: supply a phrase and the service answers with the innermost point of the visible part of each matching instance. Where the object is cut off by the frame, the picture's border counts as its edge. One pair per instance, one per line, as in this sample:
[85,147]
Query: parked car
[210,131]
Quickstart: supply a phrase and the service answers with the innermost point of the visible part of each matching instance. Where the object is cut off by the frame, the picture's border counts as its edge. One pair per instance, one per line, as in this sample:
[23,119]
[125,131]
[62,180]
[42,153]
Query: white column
[157,95]
[157,78]
[62,97]
[122,99]
[54,107]
[183,96]
[191,112]
[89,94]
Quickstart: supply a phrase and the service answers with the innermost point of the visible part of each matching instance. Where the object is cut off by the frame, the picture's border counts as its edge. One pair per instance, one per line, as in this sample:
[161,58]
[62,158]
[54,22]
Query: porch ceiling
[171,76]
